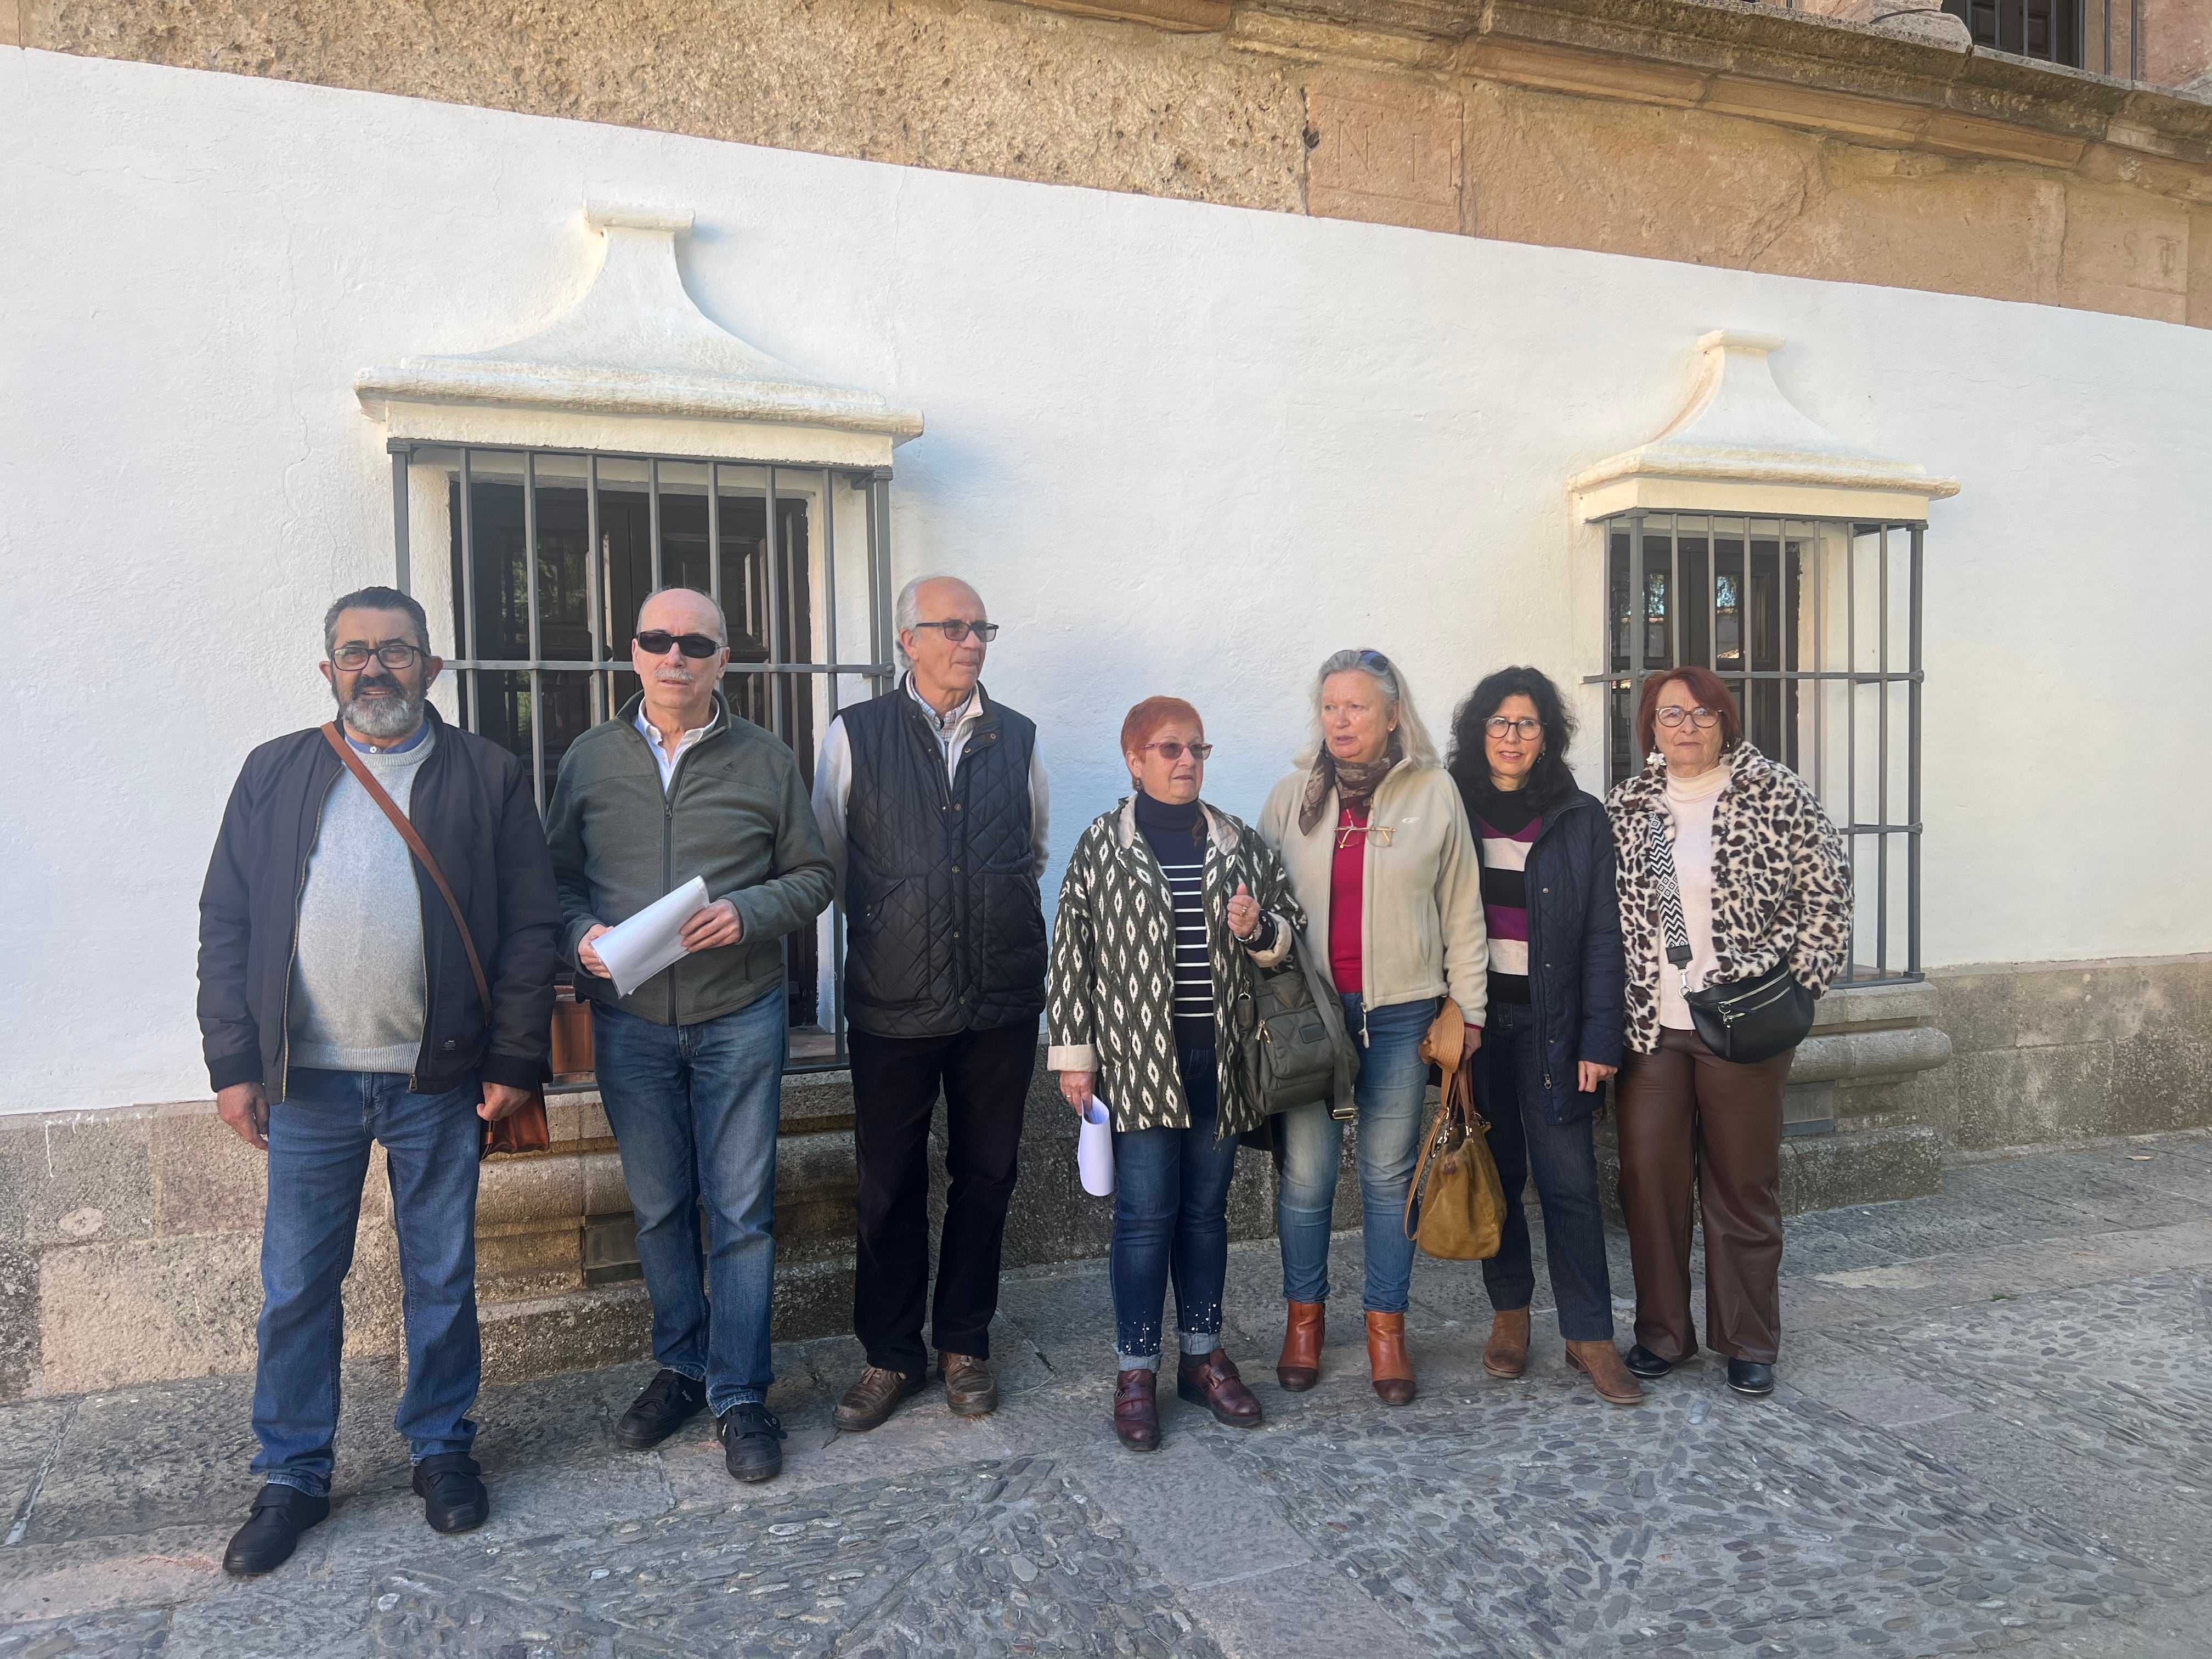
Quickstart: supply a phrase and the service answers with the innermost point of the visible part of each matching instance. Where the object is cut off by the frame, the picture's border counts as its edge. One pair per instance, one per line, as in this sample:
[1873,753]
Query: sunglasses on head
[656,641]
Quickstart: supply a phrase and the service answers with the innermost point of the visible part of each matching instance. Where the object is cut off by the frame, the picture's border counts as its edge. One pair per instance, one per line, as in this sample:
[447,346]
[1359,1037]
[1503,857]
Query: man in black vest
[933,805]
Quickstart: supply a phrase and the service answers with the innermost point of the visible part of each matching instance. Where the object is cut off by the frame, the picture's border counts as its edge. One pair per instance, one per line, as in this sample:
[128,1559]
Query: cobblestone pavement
[1994,1433]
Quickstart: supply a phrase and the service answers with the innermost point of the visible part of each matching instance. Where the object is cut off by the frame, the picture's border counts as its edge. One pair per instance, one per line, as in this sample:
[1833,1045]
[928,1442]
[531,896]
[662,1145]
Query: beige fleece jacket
[1421,932]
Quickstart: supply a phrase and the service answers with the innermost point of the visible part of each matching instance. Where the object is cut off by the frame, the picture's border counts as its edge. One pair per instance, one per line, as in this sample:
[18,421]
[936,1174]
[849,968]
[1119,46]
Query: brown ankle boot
[1506,1353]
[1600,1363]
[1299,1367]
[1386,1363]
[1137,1410]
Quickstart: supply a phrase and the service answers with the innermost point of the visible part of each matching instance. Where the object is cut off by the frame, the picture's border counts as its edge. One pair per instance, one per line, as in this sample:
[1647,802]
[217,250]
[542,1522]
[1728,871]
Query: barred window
[1814,625]
[547,556]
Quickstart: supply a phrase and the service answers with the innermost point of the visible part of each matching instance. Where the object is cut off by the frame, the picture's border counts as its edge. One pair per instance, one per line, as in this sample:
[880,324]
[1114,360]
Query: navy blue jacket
[1576,975]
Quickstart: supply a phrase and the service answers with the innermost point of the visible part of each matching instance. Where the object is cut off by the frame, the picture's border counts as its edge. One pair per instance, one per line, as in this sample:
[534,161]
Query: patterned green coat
[1112,982]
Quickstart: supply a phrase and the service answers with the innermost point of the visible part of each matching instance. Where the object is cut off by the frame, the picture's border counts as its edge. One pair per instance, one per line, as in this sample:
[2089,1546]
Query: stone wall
[1684,130]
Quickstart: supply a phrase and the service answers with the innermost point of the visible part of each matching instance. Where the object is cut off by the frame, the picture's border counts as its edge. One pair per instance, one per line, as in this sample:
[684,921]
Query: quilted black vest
[945,926]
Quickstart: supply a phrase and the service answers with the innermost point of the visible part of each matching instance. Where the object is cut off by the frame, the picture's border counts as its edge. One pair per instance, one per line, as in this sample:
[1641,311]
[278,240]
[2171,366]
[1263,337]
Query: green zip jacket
[735,813]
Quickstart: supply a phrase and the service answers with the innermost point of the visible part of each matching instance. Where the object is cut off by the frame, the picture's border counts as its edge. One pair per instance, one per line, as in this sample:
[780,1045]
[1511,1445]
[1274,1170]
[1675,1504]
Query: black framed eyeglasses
[957,629]
[392,653]
[655,643]
[1525,728]
[1172,750]
[1701,717]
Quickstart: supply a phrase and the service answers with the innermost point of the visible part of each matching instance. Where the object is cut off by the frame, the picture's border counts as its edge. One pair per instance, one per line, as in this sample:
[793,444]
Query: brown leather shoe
[873,1398]
[1137,1410]
[1386,1363]
[1600,1363]
[1299,1367]
[1506,1353]
[969,1388]
[1212,1381]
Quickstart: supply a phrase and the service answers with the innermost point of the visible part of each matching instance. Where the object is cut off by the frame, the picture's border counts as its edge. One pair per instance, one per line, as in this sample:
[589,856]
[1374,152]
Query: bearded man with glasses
[690,1061]
[338,1009]
[933,803]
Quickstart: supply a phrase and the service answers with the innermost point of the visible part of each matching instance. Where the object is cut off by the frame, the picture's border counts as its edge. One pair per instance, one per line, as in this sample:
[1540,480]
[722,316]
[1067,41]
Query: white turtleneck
[1690,803]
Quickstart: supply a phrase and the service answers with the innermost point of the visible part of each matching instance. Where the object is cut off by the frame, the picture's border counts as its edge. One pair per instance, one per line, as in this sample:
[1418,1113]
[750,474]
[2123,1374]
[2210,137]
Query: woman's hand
[1474,1038]
[1076,1088]
[1589,1076]
[1244,914]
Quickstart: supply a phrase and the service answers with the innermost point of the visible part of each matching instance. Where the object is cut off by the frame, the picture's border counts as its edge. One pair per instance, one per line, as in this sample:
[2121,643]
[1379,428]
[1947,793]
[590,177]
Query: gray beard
[394,717]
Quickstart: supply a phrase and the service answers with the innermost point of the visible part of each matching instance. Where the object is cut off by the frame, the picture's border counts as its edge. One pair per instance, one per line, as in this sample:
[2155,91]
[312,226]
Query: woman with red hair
[1167,906]
[1728,868]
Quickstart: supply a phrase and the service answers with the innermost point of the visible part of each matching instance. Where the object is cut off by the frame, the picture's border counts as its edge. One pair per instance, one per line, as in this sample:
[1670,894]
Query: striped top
[1505,895]
[1168,830]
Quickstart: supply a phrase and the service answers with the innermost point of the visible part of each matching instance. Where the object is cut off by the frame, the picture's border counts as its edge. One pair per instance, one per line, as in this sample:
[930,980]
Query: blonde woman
[1375,838]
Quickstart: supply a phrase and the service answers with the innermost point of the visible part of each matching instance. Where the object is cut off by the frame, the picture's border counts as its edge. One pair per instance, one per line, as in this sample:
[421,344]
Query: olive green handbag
[1299,1051]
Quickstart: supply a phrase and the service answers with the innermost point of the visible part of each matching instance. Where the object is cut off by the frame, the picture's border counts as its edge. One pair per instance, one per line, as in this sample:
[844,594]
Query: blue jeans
[1510,1078]
[694,1110]
[319,1144]
[1393,1082]
[1171,1216]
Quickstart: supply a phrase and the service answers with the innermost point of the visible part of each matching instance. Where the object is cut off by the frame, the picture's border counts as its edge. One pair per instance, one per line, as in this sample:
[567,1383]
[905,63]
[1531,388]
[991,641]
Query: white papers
[637,950]
[1094,1150]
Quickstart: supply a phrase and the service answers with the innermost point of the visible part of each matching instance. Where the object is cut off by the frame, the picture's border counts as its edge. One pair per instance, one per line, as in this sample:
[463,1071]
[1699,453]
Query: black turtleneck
[1177,837]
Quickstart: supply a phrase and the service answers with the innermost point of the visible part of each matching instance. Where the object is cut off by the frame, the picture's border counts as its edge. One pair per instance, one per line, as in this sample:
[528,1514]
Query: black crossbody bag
[1748,1021]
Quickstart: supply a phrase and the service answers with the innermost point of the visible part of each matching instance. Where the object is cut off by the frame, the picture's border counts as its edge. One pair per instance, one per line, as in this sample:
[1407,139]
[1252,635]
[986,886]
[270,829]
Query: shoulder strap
[1456,1109]
[1659,856]
[367,779]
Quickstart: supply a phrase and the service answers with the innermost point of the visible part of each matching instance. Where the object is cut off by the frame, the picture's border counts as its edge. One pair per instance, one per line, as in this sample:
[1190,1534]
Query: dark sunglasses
[957,630]
[1172,750]
[656,643]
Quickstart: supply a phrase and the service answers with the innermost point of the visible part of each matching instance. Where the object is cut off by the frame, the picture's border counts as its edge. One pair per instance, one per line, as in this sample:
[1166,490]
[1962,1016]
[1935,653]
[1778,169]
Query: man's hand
[588,956]
[717,924]
[244,1107]
[1076,1088]
[499,1100]
[1589,1076]
[1474,1038]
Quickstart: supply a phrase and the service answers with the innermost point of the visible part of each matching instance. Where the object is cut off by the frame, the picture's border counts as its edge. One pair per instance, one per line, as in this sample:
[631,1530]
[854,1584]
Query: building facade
[1870,364]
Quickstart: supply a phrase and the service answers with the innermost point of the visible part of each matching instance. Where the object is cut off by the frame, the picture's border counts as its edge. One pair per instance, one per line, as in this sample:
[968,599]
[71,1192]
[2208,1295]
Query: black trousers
[985,1078]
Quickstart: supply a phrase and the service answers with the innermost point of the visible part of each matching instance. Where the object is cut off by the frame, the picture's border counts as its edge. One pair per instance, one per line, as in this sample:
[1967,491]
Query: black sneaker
[1750,1377]
[1646,1363]
[752,1442]
[272,1532]
[454,1498]
[670,1400]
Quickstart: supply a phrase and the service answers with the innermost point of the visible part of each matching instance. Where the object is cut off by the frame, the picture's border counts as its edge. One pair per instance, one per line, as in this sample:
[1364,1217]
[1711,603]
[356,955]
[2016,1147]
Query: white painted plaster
[1741,446]
[1179,448]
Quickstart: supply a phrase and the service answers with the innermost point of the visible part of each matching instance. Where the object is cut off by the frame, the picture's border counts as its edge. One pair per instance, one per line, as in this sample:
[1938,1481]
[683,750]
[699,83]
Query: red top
[1347,900]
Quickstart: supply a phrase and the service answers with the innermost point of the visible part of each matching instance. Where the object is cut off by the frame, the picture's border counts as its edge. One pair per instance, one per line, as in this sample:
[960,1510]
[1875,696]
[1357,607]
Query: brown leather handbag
[524,1129]
[1456,1209]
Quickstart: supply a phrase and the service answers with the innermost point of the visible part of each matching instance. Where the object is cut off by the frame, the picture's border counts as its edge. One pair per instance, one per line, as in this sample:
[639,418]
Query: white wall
[1180,448]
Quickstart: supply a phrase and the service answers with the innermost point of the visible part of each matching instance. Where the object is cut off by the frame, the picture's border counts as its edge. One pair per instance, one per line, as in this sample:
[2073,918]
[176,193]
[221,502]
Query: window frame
[1894,541]
[879,672]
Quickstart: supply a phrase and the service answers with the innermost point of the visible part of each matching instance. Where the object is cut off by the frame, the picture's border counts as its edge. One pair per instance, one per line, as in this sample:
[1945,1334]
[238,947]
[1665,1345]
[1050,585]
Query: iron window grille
[1814,625]
[2068,32]
[550,553]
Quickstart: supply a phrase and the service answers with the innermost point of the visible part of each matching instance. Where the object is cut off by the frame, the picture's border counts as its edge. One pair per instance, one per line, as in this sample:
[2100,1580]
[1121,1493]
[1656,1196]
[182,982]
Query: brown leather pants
[1689,1118]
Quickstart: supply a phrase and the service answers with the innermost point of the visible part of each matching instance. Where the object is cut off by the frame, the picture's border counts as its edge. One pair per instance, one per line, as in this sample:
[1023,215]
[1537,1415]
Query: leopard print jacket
[1781,886]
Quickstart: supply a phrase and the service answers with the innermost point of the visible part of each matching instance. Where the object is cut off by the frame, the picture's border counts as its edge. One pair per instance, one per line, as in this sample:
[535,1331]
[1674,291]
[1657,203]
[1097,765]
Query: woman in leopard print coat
[1764,880]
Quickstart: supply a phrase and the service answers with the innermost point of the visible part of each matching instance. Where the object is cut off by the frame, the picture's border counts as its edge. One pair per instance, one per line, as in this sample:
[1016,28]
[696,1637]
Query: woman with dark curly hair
[1555,1012]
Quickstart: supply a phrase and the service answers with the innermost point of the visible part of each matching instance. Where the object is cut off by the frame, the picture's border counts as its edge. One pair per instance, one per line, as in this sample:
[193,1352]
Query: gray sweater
[358,995]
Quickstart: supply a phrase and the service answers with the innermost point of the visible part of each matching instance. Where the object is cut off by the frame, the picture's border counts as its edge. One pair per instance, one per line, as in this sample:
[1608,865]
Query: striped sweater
[1506,832]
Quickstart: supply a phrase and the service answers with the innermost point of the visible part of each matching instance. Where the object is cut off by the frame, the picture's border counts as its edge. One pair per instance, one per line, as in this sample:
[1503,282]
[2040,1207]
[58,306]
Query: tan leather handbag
[524,1129]
[1456,1209]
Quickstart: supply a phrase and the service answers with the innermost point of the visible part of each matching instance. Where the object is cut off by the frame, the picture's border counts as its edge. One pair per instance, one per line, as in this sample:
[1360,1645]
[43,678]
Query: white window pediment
[636,366]
[1740,445]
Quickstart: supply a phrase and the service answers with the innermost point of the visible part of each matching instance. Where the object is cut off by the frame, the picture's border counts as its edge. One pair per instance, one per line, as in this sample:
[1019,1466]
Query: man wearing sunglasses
[690,1062]
[338,1008]
[933,805]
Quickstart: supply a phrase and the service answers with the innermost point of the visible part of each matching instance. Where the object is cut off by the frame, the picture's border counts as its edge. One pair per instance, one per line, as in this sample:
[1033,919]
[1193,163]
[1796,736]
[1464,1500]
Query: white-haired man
[933,805]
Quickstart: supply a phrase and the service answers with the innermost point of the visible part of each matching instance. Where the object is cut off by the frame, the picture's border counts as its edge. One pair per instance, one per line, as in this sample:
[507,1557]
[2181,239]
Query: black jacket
[472,804]
[1576,973]
[946,925]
